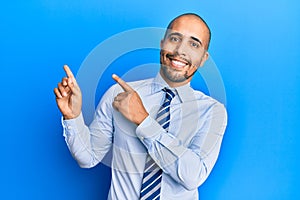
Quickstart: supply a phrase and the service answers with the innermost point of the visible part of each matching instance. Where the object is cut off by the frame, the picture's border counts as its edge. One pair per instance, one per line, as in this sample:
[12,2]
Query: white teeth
[178,63]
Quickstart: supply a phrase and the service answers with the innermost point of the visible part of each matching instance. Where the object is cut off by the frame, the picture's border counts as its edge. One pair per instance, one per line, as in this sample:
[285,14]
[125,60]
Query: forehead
[190,26]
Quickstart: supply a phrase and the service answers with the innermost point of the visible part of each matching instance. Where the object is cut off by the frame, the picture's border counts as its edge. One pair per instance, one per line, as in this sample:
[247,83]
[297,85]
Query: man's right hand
[68,96]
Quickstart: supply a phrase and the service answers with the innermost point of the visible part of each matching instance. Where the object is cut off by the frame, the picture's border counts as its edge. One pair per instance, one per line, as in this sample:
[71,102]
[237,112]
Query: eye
[174,39]
[195,44]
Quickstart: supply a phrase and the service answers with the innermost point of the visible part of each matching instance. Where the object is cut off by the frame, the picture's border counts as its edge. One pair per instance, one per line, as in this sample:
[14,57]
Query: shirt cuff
[72,126]
[148,129]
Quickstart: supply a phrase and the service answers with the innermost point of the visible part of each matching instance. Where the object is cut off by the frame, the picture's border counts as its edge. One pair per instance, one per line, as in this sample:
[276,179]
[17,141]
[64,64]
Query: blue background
[255,45]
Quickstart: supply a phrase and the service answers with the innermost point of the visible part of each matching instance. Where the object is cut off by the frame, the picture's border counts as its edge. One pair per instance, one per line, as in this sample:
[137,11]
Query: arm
[88,145]
[188,165]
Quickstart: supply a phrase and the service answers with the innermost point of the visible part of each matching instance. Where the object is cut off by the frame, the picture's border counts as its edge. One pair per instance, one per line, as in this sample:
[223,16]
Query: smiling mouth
[177,63]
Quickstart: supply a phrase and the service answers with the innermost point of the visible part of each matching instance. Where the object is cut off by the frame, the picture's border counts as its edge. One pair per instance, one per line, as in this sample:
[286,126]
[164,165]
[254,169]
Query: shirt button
[142,138]
[69,127]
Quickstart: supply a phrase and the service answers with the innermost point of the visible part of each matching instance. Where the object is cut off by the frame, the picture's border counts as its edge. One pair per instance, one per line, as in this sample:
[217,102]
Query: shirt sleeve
[89,144]
[190,164]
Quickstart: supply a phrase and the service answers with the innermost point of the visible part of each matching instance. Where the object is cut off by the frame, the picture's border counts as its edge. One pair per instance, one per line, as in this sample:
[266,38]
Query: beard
[172,74]
[175,76]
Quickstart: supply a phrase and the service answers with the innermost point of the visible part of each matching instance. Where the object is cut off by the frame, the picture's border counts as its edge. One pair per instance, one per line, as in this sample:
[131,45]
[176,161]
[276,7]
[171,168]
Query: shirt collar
[184,92]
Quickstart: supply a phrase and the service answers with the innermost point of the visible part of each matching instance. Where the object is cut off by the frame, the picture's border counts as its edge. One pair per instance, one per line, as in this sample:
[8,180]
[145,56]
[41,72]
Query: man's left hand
[129,103]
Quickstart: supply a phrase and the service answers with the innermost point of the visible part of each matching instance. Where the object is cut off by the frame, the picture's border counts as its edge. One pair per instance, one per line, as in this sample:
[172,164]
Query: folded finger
[115,105]
[64,81]
[63,90]
[57,93]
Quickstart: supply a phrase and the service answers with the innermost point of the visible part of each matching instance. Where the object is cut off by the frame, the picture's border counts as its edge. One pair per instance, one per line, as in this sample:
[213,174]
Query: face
[183,50]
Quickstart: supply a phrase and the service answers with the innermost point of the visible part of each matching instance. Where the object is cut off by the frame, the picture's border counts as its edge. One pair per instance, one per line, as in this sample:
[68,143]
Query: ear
[204,58]
[161,43]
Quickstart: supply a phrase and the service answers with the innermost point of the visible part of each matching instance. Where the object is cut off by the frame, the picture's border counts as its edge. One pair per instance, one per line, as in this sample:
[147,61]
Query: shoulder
[215,112]
[209,102]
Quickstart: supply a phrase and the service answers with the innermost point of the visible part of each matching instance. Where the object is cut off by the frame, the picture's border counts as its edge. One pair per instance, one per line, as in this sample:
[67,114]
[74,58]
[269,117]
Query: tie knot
[169,94]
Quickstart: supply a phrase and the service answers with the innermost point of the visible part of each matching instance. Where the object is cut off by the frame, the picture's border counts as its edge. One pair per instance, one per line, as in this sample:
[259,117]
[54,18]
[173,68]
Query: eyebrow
[181,35]
[196,39]
[175,33]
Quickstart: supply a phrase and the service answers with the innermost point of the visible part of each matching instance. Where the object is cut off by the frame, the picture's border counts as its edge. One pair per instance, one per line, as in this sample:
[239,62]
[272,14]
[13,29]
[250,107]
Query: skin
[185,43]
[68,96]
[183,51]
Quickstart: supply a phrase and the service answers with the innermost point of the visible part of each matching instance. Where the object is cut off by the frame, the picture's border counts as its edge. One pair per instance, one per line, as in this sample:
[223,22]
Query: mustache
[177,56]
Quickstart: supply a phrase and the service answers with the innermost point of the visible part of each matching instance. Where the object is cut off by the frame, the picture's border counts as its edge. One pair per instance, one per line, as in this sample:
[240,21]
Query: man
[165,136]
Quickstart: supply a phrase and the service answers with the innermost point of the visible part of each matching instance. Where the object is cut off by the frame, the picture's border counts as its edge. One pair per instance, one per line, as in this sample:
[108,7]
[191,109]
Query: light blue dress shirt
[186,154]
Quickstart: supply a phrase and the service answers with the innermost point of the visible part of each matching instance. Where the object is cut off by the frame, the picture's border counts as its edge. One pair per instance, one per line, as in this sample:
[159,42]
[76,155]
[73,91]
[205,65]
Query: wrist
[141,118]
[67,117]
[70,116]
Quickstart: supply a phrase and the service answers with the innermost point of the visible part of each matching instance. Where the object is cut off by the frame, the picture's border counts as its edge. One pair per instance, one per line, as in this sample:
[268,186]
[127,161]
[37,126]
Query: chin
[173,75]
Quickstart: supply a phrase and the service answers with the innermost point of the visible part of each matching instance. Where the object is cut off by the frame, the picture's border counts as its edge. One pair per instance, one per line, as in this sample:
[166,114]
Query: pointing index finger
[68,71]
[122,83]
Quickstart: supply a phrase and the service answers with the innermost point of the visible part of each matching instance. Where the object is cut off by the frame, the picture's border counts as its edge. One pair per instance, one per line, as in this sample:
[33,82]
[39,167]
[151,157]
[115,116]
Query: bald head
[191,20]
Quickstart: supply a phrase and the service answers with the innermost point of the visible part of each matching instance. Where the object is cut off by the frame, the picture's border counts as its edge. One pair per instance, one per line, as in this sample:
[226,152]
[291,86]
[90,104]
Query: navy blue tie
[151,183]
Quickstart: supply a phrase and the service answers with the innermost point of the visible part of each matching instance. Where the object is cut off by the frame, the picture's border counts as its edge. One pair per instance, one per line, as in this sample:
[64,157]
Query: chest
[185,121]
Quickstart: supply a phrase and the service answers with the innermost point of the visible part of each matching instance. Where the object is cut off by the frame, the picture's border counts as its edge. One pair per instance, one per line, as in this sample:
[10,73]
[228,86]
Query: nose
[181,49]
